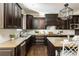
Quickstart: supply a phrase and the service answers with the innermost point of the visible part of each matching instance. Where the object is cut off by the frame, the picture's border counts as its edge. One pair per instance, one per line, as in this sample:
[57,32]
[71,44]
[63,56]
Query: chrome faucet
[21,33]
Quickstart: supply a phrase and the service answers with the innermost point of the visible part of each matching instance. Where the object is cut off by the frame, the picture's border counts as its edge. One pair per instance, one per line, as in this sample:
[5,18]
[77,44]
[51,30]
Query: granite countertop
[57,41]
[14,43]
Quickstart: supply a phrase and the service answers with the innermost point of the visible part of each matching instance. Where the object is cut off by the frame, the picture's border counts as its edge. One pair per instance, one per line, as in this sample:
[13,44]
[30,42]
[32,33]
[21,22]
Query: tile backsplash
[64,32]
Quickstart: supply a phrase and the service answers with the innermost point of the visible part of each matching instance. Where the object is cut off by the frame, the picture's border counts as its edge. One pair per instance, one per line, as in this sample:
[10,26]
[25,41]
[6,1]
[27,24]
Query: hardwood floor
[38,50]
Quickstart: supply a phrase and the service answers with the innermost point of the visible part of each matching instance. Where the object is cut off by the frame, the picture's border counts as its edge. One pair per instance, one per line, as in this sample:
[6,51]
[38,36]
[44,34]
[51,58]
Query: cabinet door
[29,42]
[20,50]
[74,23]
[12,13]
[17,22]
[29,19]
[14,19]
[50,48]
[8,15]
[27,46]
[19,19]
[23,49]
[63,24]
[51,19]
[60,23]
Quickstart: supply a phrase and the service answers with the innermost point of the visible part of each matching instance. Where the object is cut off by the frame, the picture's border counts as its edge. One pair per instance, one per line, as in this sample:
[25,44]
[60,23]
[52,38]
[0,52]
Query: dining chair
[69,48]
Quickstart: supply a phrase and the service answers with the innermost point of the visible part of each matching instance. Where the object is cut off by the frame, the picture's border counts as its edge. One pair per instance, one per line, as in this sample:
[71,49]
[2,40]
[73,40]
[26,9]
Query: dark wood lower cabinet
[17,51]
[50,48]
[45,41]
[29,43]
[24,47]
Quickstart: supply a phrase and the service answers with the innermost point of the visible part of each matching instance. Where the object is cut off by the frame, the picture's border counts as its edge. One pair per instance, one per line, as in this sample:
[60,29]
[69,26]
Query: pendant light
[66,13]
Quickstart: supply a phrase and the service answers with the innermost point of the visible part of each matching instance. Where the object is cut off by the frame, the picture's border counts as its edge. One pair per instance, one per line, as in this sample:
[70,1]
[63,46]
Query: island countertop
[57,41]
[54,39]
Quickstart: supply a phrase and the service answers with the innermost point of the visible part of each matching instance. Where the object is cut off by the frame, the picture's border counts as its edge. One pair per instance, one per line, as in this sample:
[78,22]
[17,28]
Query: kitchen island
[16,47]
[13,43]
[55,43]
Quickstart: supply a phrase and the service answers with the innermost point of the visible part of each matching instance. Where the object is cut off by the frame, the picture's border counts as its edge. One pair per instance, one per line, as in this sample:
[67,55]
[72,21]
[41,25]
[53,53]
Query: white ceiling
[45,8]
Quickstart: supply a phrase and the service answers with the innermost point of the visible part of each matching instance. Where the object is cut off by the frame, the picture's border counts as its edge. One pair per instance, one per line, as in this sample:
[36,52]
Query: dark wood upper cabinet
[51,19]
[12,15]
[54,20]
[60,23]
[69,23]
[74,22]
[7,15]
[29,21]
[18,17]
